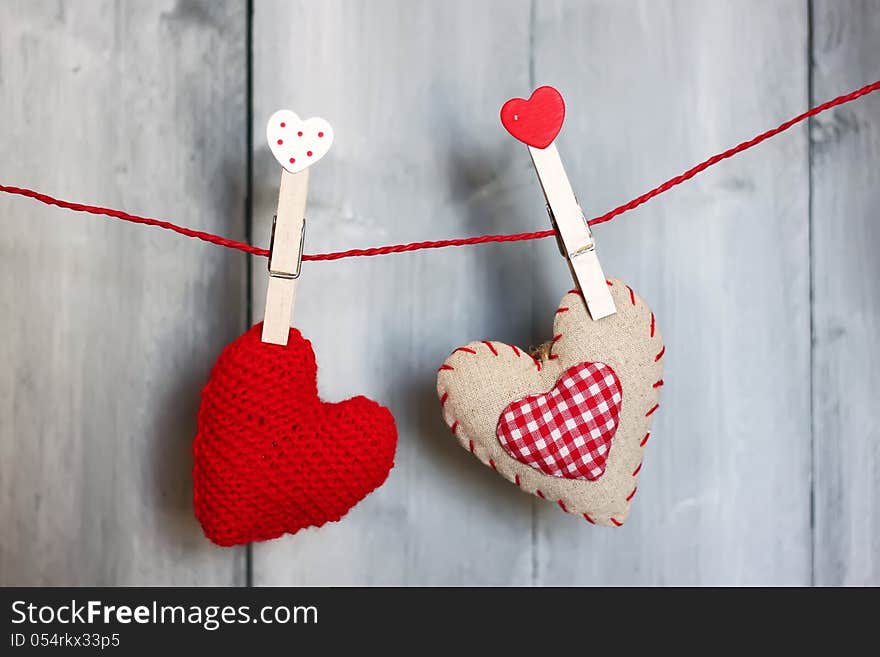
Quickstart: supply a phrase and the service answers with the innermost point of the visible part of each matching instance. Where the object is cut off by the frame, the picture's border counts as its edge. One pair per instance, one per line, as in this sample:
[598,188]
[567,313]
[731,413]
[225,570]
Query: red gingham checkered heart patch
[567,431]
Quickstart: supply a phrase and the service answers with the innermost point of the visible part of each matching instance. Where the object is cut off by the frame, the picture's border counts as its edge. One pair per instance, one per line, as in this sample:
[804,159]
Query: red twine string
[439,244]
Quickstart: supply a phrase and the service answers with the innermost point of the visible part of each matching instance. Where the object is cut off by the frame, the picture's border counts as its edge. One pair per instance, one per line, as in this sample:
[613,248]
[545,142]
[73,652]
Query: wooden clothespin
[536,122]
[296,144]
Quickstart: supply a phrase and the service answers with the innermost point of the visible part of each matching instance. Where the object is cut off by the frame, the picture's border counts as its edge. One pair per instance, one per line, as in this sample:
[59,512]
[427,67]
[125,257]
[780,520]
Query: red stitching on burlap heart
[567,431]
[476,377]
[270,456]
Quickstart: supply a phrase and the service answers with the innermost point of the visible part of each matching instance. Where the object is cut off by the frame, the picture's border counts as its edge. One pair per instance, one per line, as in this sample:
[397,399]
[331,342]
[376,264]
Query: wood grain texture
[413,91]
[846,296]
[109,330]
[651,89]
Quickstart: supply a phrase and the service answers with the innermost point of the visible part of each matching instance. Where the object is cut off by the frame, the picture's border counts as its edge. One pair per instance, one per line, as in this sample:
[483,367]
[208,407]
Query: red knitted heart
[270,456]
[535,121]
[567,431]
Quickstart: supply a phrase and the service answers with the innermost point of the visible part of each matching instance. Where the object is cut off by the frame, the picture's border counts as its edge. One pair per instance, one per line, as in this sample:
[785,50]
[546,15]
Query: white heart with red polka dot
[295,143]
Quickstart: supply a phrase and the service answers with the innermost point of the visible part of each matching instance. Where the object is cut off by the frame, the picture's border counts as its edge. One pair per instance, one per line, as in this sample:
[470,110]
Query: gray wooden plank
[109,330]
[413,91]
[846,296]
[653,88]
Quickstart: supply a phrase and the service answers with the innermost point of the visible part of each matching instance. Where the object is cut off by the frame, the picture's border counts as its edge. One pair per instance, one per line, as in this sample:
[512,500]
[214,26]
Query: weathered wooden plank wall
[654,88]
[147,110]
[108,332]
[846,297]
[412,90]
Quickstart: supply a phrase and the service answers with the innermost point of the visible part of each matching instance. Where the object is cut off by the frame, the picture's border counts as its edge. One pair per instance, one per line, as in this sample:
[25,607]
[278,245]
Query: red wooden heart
[567,431]
[270,457]
[535,121]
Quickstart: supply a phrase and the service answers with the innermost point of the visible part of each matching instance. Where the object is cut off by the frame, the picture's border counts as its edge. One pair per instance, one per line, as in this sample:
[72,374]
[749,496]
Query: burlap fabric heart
[569,422]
